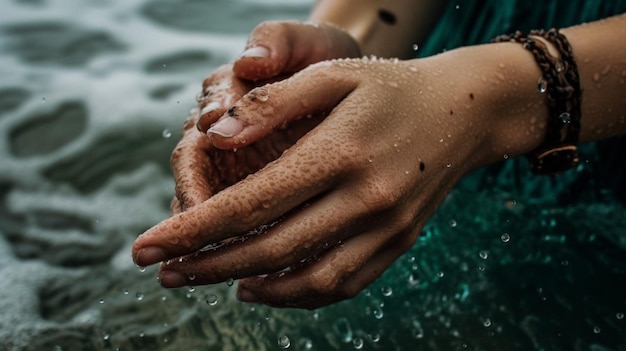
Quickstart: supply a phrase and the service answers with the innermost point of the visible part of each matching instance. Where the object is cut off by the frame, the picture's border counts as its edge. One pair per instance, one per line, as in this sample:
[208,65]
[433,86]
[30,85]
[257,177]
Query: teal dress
[472,22]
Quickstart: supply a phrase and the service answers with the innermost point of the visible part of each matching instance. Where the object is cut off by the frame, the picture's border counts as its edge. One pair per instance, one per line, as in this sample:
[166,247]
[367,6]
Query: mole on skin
[387,16]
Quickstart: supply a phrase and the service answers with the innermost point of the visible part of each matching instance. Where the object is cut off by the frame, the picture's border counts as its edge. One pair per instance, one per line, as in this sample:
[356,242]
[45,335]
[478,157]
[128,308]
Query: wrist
[507,109]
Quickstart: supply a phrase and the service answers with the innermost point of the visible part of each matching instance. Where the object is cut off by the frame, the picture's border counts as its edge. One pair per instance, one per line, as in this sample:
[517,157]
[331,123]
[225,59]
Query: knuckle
[267,27]
[276,256]
[324,284]
[379,196]
[404,221]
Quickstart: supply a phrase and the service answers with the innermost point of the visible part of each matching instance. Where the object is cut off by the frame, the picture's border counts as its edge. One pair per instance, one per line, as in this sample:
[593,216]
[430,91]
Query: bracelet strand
[561,84]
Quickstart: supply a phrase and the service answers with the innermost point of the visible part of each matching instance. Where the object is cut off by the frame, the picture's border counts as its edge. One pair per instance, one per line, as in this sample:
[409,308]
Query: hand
[352,194]
[274,50]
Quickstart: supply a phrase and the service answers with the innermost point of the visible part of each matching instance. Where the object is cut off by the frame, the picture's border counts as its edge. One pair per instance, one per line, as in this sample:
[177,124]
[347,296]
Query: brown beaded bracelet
[561,83]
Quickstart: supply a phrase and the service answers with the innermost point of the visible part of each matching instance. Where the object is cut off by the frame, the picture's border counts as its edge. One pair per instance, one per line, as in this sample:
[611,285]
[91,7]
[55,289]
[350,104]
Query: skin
[340,165]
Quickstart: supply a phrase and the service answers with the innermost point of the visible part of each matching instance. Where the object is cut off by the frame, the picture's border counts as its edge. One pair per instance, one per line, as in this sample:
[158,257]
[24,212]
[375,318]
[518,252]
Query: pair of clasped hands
[309,169]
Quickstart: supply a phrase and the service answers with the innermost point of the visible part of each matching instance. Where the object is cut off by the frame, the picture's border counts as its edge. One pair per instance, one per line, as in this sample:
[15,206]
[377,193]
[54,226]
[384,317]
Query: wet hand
[274,50]
[341,204]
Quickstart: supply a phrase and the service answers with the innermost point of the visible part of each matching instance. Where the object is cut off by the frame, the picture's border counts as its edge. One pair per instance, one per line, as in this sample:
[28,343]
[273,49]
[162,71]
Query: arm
[373,22]
[510,78]
[396,138]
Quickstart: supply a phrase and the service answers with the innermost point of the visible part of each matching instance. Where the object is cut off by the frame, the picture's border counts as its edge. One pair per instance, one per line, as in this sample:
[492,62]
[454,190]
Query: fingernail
[227,127]
[149,255]
[172,279]
[245,295]
[256,51]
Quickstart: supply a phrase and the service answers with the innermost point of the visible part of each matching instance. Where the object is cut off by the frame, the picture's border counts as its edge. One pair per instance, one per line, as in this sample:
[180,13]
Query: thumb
[281,48]
[310,92]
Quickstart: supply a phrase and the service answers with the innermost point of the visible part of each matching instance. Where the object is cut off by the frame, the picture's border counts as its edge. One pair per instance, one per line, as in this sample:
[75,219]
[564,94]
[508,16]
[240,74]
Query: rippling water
[92,98]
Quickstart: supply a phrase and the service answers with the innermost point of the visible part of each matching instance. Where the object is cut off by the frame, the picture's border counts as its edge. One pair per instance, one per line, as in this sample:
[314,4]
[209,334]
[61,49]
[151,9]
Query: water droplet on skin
[505,156]
[457,7]
[378,313]
[487,322]
[166,133]
[542,85]
[449,165]
[101,301]
[387,291]
[261,94]
[139,296]
[505,237]
[200,98]
[211,299]
[142,269]
[452,223]
[192,277]
[415,47]
[210,108]
[565,118]
[596,330]
[483,254]
[596,77]
[357,343]
[619,315]
[125,292]
[230,281]
[440,274]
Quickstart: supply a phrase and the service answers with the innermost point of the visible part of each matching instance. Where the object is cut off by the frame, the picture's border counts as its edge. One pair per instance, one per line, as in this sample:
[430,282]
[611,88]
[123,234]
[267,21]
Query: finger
[190,167]
[311,92]
[219,91]
[301,173]
[341,273]
[311,230]
[175,207]
[279,48]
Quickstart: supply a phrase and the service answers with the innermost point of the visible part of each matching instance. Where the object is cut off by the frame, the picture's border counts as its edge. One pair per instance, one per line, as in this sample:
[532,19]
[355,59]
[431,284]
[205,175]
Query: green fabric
[468,22]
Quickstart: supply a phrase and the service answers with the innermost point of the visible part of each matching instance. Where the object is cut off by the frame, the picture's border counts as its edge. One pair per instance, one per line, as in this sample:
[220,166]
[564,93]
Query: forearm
[601,58]
[382,28]
[506,104]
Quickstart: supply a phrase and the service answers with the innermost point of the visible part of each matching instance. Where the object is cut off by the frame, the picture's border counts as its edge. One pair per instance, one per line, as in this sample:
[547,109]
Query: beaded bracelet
[561,83]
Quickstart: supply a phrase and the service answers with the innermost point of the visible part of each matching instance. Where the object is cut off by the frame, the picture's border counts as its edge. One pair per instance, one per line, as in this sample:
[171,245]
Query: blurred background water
[92,98]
